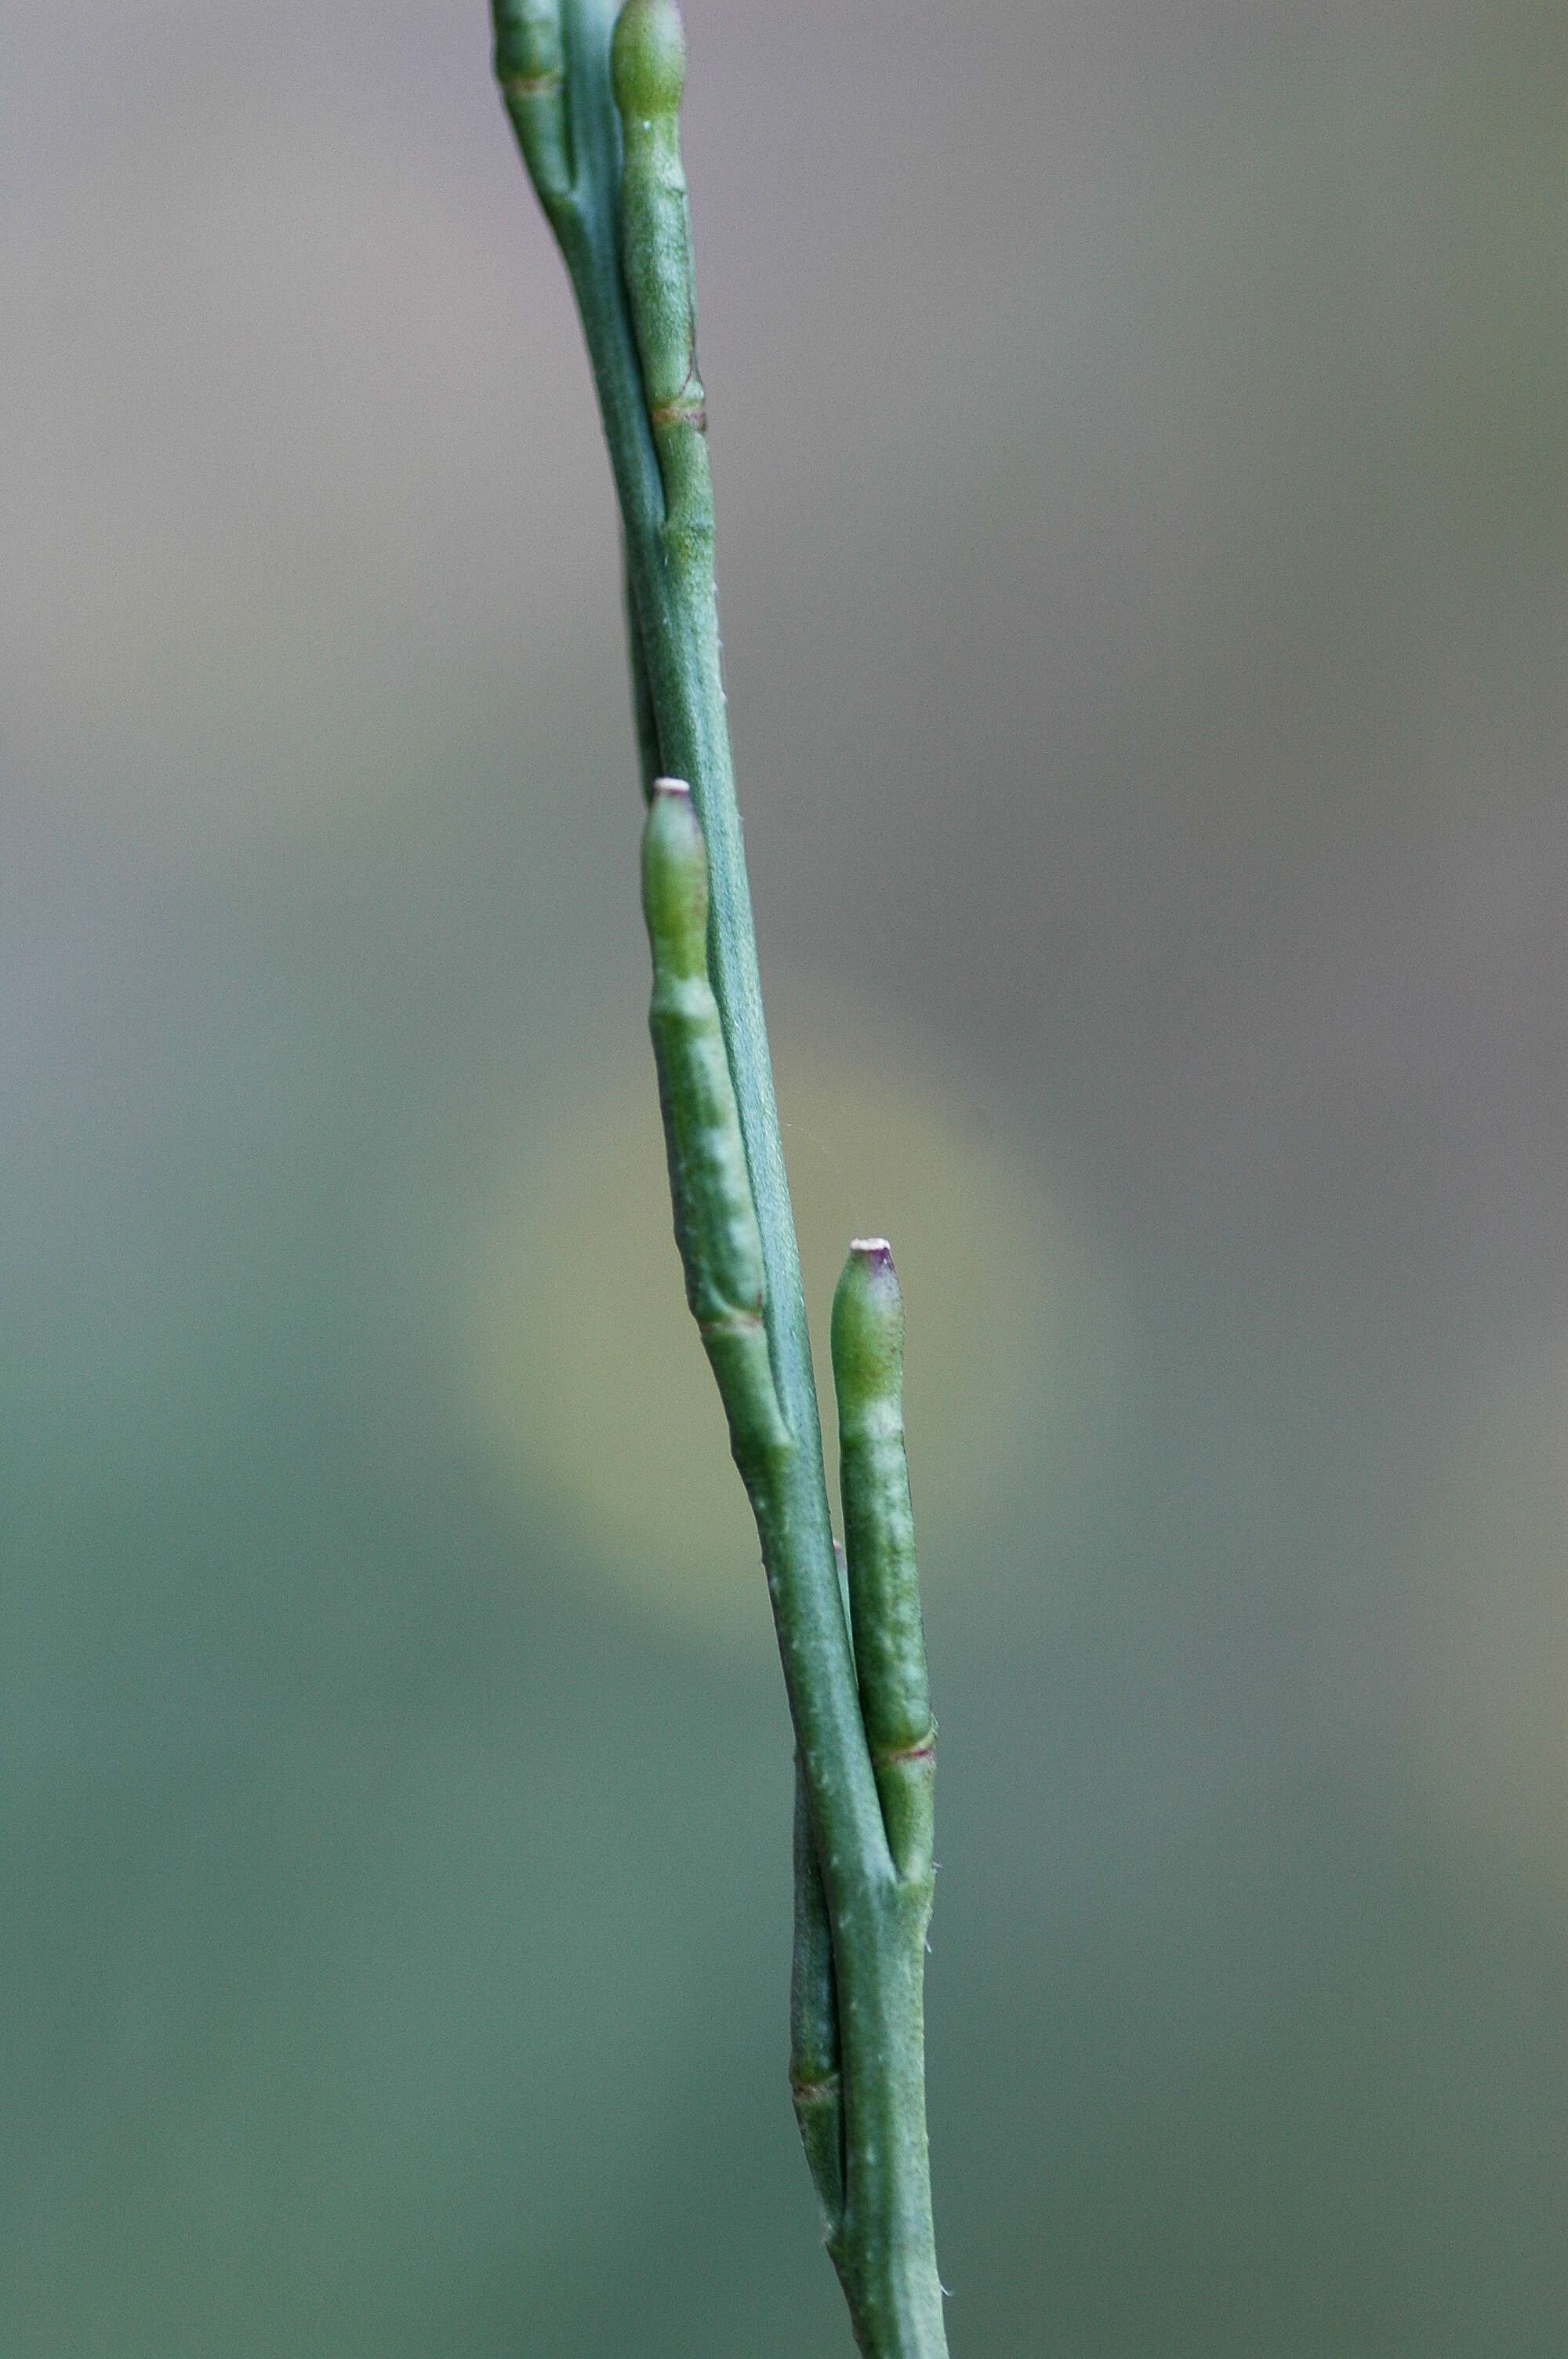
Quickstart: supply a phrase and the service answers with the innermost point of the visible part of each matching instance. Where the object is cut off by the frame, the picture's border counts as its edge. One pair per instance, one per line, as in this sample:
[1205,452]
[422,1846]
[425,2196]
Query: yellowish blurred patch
[590,1382]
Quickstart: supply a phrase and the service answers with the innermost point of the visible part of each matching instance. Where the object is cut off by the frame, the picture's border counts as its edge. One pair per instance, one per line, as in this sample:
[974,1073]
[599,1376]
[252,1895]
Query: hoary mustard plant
[594,97]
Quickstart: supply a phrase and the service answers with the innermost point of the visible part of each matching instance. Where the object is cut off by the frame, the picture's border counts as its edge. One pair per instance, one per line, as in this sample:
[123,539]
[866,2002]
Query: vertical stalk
[595,106]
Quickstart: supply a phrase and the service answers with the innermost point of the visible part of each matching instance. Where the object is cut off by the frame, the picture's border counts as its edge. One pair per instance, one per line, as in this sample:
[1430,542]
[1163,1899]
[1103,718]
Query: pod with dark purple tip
[879,1546]
[711,1187]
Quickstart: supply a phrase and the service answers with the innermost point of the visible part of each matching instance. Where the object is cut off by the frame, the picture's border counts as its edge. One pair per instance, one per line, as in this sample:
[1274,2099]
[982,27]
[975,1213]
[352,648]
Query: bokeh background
[1140,431]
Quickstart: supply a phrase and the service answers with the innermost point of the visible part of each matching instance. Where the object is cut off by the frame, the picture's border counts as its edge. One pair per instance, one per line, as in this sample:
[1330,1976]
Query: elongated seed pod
[710,1188]
[531,67]
[647,67]
[879,1544]
[715,1224]
[815,2079]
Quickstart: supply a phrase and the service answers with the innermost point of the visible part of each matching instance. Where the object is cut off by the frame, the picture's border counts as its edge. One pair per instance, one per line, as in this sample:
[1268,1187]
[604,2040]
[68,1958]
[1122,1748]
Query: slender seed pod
[879,1544]
[531,67]
[710,1188]
[715,1222]
[815,2078]
[647,64]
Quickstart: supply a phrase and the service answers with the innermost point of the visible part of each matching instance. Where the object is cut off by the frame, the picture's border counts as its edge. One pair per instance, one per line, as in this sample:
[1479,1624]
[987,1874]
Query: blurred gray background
[1139,434]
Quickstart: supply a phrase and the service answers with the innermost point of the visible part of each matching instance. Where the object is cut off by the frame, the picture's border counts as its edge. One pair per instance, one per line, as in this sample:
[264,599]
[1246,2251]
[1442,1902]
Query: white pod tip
[675,880]
[867,1329]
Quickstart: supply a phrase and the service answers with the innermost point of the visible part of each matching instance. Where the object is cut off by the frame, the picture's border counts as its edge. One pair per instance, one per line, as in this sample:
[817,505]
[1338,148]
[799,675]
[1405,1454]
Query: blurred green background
[1141,434]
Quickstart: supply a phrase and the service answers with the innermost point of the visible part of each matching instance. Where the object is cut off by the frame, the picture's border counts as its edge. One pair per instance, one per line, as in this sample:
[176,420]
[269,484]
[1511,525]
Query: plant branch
[595,108]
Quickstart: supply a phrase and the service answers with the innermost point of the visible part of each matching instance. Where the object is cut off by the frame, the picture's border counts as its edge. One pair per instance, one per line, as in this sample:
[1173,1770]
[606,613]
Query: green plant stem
[816,2066]
[610,183]
[645,719]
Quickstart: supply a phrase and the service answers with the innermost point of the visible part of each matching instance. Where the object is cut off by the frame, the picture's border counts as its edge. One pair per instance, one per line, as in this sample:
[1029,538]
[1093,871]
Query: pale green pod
[648,75]
[710,1188]
[715,1222]
[879,1546]
[815,2080]
[530,66]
